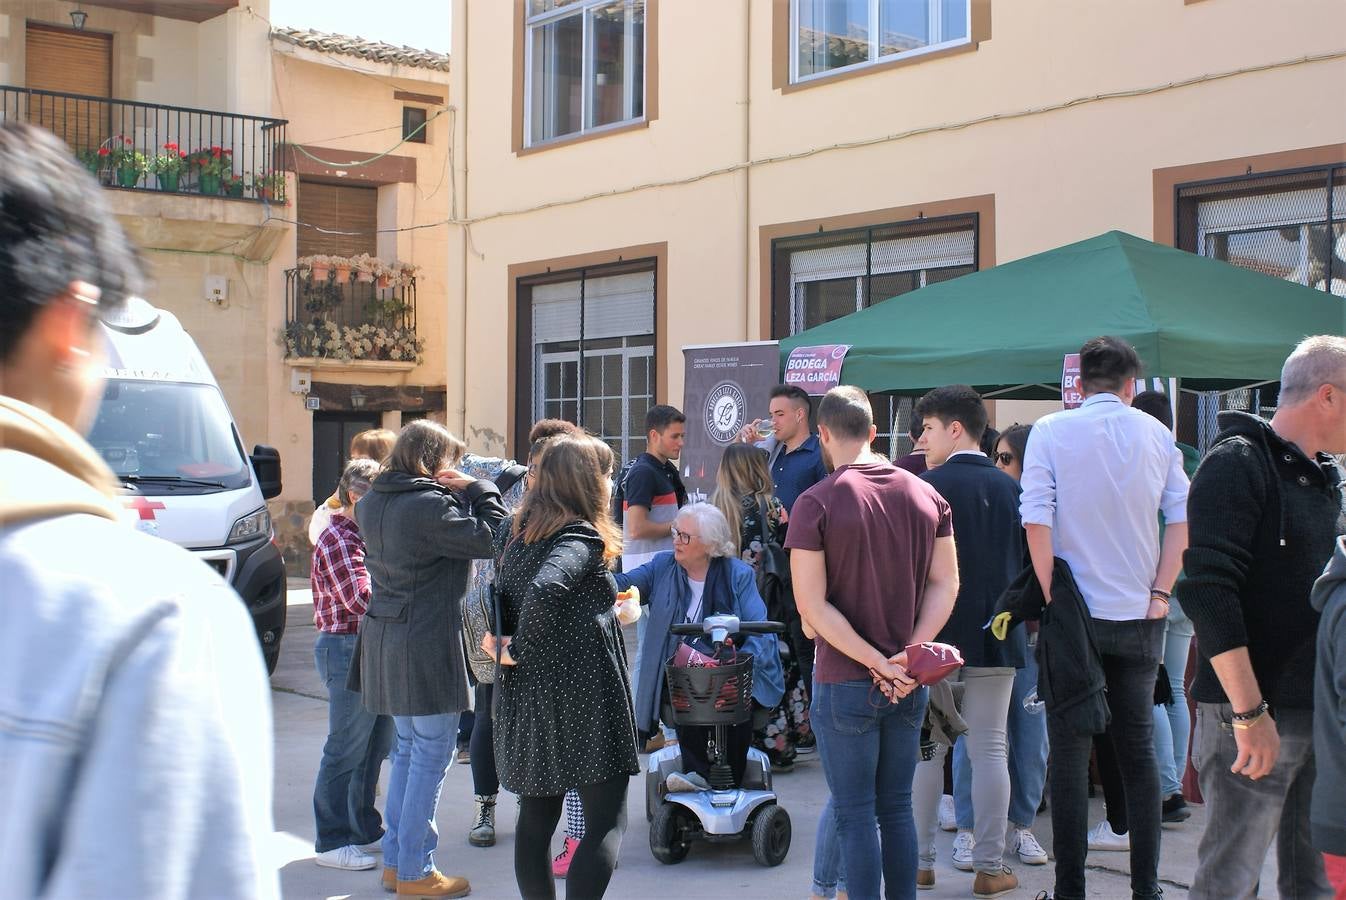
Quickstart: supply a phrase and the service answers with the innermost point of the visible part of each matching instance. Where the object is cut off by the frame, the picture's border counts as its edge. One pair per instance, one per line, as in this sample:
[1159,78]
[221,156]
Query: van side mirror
[266,463]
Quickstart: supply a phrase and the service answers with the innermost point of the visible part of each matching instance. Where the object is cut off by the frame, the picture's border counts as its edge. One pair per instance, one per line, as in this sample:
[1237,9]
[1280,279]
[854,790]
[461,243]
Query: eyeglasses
[682,537]
[1006,459]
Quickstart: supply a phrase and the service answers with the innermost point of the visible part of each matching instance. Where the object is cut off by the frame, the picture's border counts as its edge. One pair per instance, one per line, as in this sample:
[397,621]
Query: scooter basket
[711,695]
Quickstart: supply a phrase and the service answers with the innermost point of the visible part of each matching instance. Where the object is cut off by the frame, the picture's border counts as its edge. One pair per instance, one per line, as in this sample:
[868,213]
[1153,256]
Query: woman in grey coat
[423,523]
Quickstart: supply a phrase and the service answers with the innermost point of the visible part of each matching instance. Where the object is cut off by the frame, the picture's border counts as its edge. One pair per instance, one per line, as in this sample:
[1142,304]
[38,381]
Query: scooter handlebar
[690,628]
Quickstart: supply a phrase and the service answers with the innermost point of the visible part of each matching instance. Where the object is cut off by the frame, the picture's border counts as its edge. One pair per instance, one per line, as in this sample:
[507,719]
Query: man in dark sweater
[985,506]
[1264,513]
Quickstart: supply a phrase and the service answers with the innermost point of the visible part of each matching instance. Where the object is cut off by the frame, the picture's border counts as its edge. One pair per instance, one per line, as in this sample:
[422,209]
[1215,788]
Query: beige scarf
[47,469]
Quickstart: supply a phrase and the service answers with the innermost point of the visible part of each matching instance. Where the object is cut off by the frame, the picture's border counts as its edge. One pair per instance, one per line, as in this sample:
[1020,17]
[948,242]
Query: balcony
[165,149]
[344,315]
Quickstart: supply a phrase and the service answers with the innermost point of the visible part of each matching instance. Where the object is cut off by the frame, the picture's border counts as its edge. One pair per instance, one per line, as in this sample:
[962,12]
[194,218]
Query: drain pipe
[748,304]
[462,230]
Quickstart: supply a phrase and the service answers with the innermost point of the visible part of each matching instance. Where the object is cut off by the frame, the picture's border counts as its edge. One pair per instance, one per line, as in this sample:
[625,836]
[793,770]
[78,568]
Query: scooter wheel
[771,835]
[668,833]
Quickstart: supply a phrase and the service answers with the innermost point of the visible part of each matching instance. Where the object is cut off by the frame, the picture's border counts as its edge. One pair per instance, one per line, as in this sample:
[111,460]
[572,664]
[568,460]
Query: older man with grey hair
[1264,513]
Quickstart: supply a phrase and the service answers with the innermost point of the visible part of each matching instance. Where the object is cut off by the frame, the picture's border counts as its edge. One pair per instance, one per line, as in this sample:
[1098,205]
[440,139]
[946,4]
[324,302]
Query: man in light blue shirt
[1095,480]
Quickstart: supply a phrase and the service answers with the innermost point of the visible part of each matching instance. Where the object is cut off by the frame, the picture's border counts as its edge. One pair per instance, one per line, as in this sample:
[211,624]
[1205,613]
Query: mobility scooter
[718,695]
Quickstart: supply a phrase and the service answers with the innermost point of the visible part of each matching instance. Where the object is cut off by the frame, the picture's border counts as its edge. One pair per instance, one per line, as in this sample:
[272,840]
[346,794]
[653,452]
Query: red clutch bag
[929,663]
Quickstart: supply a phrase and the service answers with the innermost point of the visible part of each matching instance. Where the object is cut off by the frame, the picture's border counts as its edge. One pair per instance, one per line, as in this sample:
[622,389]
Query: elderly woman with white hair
[701,577]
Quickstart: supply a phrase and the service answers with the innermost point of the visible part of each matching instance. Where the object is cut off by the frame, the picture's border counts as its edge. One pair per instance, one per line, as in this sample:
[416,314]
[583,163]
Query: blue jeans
[357,743]
[869,752]
[1027,757]
[829,876]
[1172,724]
[421,760]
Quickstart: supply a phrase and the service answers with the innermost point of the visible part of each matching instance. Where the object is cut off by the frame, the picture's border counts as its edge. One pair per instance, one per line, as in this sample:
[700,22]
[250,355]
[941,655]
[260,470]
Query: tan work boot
[390,879]
[994,884]
[925,879]
[436,884]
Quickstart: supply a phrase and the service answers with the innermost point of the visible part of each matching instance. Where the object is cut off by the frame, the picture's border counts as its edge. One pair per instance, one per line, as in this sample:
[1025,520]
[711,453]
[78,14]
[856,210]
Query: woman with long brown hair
[565,718]
[745,494]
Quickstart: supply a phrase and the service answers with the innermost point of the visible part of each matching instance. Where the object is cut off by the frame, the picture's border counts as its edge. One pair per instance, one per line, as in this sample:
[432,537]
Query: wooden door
[72,62]
[332,433]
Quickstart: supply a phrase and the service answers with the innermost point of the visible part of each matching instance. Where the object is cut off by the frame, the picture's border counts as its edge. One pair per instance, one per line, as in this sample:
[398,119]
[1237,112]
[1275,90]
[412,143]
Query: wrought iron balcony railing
[350,319]
[152,147]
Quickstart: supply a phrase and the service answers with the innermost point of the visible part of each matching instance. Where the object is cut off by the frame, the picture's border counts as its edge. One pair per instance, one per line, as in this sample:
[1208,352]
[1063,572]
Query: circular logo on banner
[725,409]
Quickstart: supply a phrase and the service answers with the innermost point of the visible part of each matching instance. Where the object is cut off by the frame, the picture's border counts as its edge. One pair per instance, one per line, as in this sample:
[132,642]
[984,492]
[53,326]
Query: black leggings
[485,781]
[595,858]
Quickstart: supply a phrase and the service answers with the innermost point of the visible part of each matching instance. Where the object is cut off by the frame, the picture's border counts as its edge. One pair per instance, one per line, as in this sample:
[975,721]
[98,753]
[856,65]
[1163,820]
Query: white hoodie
[135,719]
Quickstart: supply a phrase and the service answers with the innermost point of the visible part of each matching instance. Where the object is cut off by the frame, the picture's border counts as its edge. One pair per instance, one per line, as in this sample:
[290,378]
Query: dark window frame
[409,125]
[525,385]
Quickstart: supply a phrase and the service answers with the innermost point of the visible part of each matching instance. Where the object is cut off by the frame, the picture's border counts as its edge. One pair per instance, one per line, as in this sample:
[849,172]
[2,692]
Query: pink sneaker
[560,864]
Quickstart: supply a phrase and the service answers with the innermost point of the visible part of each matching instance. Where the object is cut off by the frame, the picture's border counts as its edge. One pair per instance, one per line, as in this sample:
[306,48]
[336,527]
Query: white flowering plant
[325,339]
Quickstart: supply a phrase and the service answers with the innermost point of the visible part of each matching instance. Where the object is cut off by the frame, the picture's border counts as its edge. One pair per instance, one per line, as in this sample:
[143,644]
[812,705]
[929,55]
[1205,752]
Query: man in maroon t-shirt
[874,570]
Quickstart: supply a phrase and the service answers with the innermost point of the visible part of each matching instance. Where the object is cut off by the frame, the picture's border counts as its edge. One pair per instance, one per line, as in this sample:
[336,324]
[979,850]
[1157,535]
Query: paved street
[720,871]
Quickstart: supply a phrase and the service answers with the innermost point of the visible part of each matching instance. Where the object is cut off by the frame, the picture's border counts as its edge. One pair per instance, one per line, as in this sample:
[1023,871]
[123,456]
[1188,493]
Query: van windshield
[163,435]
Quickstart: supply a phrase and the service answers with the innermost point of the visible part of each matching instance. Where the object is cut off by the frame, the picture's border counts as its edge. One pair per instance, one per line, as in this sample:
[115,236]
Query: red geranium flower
[103,151]
[128,141]
[170,146]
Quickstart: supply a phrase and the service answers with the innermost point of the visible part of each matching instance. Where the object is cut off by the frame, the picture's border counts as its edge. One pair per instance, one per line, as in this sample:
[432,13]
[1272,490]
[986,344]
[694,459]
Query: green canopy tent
[1006,330]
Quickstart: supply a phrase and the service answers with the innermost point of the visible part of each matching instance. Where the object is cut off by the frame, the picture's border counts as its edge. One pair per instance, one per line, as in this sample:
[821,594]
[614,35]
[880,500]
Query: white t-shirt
[694,604]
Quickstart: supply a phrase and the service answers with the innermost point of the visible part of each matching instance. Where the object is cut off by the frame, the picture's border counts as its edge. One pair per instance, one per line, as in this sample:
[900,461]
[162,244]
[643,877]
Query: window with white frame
[584,66]
[592,350]
[831,35]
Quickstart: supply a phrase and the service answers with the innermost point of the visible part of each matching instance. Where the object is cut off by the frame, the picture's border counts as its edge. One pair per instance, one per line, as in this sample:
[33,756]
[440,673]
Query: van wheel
[771,835]
[669,838]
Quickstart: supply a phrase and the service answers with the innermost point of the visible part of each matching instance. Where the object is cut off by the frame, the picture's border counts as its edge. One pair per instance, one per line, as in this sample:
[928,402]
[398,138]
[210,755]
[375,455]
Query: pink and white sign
[816,369]
[1071,395]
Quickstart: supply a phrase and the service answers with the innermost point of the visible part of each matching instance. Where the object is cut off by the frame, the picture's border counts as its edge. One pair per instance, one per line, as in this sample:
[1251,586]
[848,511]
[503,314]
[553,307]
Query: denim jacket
[663,587]
[135,716]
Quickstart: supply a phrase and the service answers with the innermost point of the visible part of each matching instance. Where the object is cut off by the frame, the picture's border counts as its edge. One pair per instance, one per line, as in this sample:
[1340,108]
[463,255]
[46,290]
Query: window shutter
[619,306]
[337,208]
[72,62]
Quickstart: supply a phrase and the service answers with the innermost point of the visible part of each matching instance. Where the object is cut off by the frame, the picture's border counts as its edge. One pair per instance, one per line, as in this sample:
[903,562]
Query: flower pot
[321,271]
[364,277]
[384,281]
[168,181]
[127,176]
[208,184]
[343,274]
[235,189]
[264,193]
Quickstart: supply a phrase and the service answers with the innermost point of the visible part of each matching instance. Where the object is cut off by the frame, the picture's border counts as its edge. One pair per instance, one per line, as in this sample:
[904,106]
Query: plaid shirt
[339,579]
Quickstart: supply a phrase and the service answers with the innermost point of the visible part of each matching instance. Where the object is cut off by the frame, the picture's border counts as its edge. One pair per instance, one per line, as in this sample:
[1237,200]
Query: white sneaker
[1029,850]
[686,782]
[349,857]
[948,818]
[962,851]
[1102,837]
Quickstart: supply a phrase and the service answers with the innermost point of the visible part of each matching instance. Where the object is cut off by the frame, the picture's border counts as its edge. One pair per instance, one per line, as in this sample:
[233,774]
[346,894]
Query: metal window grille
[590,347]
[1289,225]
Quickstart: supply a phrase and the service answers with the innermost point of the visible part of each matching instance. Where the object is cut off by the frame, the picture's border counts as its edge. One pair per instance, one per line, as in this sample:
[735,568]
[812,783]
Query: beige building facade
[327,147]
[636,176]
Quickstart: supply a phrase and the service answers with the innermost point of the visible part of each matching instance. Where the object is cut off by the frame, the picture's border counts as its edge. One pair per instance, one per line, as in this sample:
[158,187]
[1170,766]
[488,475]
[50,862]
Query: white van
[167,433]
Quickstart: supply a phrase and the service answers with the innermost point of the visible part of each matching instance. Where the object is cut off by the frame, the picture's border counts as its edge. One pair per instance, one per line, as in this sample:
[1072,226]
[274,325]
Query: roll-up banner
[725,387]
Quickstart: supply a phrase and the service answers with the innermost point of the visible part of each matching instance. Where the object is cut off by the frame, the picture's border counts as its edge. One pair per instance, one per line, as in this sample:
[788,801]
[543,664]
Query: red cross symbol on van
[145,507]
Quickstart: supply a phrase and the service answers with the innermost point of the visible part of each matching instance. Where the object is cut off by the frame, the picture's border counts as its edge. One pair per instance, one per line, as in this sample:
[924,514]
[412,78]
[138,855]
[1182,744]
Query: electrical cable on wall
[813,151]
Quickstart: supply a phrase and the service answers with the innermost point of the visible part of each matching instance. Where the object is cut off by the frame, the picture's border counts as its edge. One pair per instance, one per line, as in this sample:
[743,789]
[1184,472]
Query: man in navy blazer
[985,505]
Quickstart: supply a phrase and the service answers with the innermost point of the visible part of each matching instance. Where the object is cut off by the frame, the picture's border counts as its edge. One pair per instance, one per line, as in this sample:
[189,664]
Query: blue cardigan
[663,586]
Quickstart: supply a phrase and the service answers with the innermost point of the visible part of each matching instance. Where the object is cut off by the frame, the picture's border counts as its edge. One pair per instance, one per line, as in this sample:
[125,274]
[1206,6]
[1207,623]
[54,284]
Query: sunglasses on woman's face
[1005,459]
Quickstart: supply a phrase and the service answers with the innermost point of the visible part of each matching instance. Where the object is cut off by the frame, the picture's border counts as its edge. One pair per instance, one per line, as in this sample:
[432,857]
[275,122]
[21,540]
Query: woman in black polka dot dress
[564,718]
